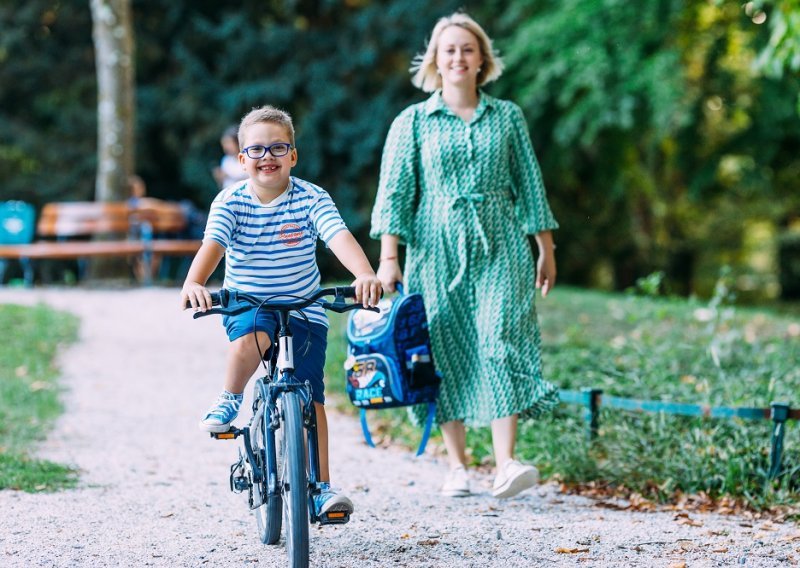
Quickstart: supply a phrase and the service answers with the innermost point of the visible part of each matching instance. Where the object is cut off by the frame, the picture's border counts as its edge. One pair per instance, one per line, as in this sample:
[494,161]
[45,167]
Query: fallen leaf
[428,542]
[723,549]
[678,565]
[564,550]
[690,522]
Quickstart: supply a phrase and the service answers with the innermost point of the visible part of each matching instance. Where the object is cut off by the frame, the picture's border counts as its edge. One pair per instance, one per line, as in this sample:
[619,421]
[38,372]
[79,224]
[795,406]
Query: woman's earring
[480,69]
[438,72]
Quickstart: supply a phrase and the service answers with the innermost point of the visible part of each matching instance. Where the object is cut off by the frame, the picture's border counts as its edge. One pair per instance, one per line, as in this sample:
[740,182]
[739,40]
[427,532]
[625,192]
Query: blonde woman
[460,187]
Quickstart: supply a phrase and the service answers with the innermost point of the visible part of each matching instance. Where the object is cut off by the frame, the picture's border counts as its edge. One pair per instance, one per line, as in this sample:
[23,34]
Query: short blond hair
[266,114]
[426,76]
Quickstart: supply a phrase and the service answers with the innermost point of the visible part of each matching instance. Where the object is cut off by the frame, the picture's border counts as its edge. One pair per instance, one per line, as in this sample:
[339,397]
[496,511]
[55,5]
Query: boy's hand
[196,295]
[368,289]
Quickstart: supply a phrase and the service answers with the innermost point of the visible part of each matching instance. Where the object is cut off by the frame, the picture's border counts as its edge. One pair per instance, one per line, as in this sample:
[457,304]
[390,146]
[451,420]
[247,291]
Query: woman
[461,188]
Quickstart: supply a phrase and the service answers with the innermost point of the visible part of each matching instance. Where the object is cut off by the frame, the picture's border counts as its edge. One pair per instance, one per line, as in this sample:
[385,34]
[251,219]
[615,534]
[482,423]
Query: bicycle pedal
[231,434]
[334,518]
[239,484]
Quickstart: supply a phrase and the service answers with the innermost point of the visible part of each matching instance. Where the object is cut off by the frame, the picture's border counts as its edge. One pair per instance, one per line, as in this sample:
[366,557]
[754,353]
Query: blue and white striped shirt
[271,249]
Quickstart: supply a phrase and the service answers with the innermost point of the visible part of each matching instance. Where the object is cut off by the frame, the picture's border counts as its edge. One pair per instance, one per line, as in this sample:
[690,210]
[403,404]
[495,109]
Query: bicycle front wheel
[268,509]
[295,482]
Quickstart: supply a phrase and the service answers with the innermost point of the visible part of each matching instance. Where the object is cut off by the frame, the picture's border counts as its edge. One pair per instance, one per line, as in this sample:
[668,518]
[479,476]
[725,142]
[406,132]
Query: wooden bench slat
[116,219]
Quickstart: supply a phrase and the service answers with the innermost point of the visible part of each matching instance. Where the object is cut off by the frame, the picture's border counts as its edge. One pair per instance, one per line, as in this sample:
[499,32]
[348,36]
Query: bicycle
[279,467]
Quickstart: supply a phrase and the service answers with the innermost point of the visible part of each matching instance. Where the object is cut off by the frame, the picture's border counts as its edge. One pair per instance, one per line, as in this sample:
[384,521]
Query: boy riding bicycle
[266,227]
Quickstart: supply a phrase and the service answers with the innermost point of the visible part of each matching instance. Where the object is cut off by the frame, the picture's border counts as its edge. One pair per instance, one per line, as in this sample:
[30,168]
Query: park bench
[83,230]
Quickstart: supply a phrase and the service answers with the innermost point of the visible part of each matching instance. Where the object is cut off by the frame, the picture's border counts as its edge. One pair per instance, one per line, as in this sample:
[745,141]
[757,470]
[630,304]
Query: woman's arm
[546,264]
[389,272]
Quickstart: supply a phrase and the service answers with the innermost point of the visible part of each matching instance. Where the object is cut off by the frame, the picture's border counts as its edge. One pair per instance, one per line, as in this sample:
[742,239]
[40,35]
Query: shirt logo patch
[291,234]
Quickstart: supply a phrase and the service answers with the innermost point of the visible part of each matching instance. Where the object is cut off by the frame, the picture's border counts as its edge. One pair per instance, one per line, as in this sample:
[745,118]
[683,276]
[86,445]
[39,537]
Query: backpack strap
[365,428]
[426,432]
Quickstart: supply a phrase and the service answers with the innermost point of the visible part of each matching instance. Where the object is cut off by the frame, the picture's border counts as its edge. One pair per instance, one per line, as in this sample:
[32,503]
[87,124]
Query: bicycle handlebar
[232,302]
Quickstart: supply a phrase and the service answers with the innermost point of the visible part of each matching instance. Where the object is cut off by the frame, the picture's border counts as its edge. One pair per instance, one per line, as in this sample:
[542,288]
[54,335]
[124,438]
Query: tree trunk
[116,97]
[112,31]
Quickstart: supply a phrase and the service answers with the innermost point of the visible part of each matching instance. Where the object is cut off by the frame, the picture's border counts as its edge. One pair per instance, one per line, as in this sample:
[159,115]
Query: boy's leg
[328,501]
[322,442]
[243,360]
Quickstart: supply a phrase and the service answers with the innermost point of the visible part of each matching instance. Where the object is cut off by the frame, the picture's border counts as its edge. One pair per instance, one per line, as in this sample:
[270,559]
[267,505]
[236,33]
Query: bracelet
[387,258]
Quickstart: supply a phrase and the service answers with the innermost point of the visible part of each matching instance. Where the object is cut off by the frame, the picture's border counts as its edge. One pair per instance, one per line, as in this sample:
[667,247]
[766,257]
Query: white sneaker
[514,478]
[457,483]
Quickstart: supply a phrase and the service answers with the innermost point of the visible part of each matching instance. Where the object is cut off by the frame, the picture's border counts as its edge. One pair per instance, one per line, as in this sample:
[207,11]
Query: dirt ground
[154,489]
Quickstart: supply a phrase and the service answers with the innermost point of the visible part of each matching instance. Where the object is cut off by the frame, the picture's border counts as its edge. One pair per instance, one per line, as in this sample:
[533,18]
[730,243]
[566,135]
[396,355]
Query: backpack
[390,362]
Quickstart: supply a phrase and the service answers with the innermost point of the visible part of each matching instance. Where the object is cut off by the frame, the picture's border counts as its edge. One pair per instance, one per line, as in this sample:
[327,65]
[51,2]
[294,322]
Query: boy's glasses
[258,151]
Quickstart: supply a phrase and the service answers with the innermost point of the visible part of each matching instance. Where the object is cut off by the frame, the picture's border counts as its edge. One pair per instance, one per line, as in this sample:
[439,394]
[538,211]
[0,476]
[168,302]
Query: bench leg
[27,271]
[147,268]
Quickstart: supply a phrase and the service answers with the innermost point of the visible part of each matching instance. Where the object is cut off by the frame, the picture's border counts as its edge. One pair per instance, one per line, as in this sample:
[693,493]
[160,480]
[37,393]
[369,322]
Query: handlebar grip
[216,299]
[346,291]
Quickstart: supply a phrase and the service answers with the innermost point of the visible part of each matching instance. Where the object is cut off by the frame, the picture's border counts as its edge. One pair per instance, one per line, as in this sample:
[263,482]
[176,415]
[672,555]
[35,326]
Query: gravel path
[154,491]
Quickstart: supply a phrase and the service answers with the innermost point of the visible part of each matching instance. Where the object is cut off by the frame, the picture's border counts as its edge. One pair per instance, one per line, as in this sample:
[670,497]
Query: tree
[116,97]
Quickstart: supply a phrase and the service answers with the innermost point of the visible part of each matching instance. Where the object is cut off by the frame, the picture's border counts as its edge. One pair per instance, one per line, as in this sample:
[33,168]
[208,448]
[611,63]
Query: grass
[29,394]
[653,348]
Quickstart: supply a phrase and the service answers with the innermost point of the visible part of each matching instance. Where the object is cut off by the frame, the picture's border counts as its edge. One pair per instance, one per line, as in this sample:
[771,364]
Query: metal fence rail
[779,413]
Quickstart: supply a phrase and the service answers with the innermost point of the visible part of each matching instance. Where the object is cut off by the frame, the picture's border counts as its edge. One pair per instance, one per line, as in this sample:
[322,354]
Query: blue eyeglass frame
[246,151]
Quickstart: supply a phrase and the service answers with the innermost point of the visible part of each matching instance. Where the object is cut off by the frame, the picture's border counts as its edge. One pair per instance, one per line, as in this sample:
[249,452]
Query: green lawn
[29,394]
[662,349]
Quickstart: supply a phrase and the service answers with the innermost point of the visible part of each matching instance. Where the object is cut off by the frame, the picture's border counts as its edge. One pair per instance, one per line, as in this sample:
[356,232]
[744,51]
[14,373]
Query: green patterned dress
[463,197]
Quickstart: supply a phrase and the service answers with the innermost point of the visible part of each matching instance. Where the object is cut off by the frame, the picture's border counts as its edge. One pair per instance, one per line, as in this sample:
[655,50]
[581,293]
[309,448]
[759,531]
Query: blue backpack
[390,362]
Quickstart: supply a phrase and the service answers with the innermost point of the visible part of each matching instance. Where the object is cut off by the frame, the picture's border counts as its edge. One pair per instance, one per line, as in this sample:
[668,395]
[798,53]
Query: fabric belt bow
[467,203]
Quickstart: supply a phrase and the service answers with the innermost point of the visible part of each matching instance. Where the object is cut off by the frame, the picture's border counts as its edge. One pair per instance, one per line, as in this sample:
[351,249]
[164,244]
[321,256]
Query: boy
[267,229]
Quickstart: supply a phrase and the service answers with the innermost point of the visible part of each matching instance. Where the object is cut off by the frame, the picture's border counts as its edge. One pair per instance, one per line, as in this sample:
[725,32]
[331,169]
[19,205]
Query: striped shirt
[271,249]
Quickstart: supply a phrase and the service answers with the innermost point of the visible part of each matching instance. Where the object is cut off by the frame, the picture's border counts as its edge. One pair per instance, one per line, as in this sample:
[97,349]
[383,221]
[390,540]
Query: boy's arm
[194,288]
[351,255]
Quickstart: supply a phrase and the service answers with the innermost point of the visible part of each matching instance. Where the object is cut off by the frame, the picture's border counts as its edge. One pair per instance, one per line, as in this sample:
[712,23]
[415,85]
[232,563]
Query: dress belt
[467,203]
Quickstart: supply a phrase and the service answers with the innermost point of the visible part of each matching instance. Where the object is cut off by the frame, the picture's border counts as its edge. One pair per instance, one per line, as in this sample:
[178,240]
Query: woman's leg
[504,438]
[455,441]
[512,476]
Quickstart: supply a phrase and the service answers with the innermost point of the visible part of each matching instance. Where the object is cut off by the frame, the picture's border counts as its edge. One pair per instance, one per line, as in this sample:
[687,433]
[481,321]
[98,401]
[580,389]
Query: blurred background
[667,131]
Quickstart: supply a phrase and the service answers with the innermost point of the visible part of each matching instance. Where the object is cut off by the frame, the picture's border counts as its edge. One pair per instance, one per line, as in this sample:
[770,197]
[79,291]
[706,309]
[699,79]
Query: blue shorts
[309,365]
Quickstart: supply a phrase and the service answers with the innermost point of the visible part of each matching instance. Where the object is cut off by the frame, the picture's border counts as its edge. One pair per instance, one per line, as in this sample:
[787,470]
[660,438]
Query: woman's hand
[389,274]
[546,273]
[546,265]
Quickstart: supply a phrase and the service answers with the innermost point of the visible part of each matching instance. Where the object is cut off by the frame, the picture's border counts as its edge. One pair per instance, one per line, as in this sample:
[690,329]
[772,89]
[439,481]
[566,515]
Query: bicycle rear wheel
[295,482]
[268,513]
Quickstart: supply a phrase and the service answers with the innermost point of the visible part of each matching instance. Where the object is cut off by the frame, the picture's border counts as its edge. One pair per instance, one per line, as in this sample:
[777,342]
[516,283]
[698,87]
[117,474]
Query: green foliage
[666,130]
[647,118]
[662,349]
[29,394]
[48,101]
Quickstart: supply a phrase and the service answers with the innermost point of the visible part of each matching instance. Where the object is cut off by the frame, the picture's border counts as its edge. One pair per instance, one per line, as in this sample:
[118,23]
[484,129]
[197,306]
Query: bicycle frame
[260,475]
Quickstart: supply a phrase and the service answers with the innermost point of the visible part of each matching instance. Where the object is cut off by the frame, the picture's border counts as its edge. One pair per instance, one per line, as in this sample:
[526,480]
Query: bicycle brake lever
[226,311]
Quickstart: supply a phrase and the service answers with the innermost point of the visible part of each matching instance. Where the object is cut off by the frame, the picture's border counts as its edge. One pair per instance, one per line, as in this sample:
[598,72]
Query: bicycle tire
[269,513]
[295,482]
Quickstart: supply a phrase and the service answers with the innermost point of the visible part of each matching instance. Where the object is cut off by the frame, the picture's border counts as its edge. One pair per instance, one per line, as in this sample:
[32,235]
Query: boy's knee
[247,344]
